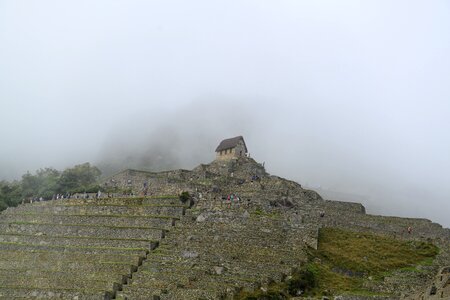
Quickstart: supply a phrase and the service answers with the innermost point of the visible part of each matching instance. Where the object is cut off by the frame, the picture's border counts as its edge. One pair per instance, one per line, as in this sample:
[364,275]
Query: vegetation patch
[344,261]
[299,283]
[259,213]
[184,197]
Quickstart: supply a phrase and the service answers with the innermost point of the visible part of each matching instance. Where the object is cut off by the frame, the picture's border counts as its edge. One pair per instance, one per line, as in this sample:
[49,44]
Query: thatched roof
[230,143]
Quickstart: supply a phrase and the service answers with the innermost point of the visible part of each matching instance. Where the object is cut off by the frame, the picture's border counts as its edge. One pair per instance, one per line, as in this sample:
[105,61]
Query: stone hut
[230,148]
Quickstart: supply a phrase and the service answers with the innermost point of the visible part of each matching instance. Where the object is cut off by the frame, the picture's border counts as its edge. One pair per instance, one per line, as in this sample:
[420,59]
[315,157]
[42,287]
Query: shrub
[184,197]
[301,282]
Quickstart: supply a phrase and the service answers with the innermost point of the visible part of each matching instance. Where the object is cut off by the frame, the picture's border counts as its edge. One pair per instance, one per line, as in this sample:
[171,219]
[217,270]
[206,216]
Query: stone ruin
[153,246]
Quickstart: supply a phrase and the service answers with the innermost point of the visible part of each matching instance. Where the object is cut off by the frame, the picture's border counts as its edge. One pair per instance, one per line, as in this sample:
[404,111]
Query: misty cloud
[347,97]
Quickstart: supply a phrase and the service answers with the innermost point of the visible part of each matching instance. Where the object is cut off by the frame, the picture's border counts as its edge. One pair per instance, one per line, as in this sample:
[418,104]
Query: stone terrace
[408,285]
[80,248]
[213,254]
[156,248]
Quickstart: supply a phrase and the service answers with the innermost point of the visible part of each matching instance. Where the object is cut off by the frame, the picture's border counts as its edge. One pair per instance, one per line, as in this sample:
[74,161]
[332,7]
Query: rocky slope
[243,230]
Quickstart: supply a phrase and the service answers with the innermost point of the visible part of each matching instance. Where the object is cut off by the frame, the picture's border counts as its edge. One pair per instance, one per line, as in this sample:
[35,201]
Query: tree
[79,178]
[30,185]
[48,182]
[43,184]
[10,194]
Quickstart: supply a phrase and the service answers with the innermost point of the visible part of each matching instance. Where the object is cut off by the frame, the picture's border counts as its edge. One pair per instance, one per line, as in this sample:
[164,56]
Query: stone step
[91,209]
[45,240]
[224,249]
[82,230]
[57,283]
[202,277]
[168,258]
[137,293]
[80,250]
[260,238]
[225,246]
[116,220]
[240,269]
[57,258]
[72,267]
[114,201]
[182,294]
[142,293]
[186,275]
[169,281]
[42,293]
[164,262]
[106,275]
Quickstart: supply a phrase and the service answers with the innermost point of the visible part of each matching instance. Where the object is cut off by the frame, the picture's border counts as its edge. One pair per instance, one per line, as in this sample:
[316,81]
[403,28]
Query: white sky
[352,96]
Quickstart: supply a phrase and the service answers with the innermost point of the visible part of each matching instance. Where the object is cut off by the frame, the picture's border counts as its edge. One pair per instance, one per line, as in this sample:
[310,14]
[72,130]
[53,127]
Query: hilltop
[273,199]
[236,232]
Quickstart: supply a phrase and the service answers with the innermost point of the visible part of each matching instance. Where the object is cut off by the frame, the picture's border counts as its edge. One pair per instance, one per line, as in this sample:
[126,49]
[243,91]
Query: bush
[301,282]
[184,197]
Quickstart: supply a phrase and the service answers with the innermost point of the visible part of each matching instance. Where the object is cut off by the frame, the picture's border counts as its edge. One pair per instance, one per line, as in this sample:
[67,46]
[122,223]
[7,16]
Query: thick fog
[351,98]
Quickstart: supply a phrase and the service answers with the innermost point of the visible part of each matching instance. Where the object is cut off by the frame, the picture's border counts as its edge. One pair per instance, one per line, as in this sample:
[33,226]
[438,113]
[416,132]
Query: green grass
[370,253]
[362,255]
[345,260]
[259,213]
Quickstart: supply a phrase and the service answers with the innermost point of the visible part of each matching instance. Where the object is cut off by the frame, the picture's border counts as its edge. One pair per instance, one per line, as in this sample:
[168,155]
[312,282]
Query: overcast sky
[348,96]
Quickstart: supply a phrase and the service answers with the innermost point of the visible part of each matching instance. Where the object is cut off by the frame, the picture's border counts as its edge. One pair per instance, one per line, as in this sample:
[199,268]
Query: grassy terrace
[348,259]
[99,269]
[81,225]
[81,237]
[121,205]
[148,197]
[49,249]
[70,275]
[74,247]
[94,216]
[125,198]
[45,256]
[81,290]
[345,260]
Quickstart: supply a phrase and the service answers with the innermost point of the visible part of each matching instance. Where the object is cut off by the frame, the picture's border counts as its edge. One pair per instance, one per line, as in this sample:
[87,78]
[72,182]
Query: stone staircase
[80,248]
[156,248]
[212,255]
[439,289]
[130,248]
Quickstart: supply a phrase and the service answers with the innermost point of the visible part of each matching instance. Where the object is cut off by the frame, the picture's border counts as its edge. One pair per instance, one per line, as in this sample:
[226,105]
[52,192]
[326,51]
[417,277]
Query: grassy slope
[345,260]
